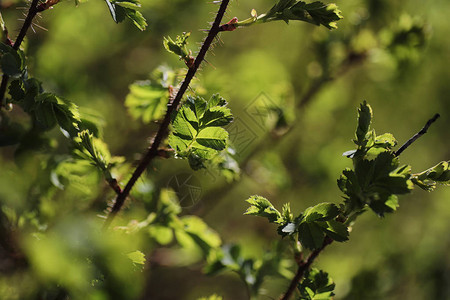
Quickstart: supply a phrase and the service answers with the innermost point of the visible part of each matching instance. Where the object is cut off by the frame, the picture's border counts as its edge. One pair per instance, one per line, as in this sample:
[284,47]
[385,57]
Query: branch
[162,131]
[32,12]
[303,268]
[417,135]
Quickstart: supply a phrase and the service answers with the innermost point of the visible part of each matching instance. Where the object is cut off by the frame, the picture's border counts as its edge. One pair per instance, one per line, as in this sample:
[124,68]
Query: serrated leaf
[428,179]
[260,206]
[137,257]
[179,45]
[137,18]
[310,235]
[92,149]
[320,212]
[386,140]
[315,13]
[384,203]
[217,116]
[364,121]
[335,230]
[213,137]
[195,135]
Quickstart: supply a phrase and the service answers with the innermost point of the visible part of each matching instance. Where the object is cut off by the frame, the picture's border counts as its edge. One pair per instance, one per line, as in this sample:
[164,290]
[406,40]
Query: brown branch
[32,12]
[162,131]
[417,135]
[303,268]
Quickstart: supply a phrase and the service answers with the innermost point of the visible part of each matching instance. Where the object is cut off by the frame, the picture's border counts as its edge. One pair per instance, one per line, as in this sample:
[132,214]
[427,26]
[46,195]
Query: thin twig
[162,131]
[303,268]
[32,12]
[417,135]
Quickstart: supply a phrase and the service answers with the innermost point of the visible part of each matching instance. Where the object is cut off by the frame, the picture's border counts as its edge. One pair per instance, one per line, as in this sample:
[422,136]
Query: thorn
[209,63]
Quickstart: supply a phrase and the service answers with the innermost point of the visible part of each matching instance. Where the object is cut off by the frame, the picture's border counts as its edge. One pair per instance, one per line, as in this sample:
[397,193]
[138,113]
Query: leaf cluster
[197,129]
[377,177]
[179,47]
[309,228]
[164,226]
[252,271]
[317,285]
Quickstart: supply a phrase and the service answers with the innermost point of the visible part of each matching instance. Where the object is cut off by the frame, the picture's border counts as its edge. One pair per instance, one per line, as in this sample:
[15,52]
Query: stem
[32,11]
[417,135]
[303,268]
[162,131]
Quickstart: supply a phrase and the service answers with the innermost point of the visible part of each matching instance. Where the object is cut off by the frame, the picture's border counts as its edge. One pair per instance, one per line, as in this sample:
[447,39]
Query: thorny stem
[303,268]
[32,12]
[417,135]
[162,131]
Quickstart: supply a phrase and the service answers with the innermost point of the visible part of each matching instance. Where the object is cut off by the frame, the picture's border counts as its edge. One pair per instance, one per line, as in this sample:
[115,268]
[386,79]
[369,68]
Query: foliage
[63,174]
[197,129]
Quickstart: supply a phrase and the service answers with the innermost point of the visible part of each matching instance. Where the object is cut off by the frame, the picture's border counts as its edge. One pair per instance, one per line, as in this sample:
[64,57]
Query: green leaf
[386,140]
[137,257]
[315,13]
[196,134]
[317,285]
[162,234]
[260,206]
[428,179]
[92,149]
[320,212]
[335,230]
[147,101]
[375,182]
[364,120]
[310,235]
[121,9]
[213,137]
[10,66]
[179,46]
[45,115]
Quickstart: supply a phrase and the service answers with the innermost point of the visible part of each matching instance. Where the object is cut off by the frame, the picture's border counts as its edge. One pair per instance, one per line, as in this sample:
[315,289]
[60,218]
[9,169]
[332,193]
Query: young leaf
[260,206]
[92,149]
[179,47]
[316,13]
[428,179]
[364,121]
[320,212]
[196,134]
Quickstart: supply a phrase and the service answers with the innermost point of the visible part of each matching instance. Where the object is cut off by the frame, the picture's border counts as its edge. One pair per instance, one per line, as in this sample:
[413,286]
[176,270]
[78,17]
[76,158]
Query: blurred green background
[394,54]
